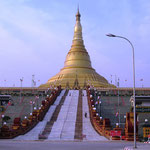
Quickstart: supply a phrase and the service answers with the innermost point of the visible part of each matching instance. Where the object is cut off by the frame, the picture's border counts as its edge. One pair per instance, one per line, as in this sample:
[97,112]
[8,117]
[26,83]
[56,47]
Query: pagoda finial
[78,27]
[78,14]
[78,7]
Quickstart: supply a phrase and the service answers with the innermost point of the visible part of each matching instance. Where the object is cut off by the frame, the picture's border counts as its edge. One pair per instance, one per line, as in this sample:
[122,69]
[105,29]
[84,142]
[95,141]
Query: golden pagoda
[77,71]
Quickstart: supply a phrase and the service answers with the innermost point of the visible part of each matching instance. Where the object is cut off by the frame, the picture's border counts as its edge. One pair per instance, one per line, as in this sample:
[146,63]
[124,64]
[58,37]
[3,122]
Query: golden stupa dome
[77,71]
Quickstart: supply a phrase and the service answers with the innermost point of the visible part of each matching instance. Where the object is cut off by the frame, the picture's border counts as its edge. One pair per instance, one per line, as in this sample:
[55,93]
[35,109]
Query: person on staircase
[85,114]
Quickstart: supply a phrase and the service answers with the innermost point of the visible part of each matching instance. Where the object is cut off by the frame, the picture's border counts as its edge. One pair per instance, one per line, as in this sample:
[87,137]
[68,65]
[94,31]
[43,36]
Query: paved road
[45,145]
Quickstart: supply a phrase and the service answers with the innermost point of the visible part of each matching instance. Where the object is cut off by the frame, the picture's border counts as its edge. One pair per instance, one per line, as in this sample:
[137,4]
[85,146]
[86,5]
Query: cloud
[23,34]
[35,36]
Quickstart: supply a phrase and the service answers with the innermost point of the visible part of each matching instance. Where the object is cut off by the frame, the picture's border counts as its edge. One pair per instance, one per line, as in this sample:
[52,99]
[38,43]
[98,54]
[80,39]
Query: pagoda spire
[78,27]
[78,15]
[77,67]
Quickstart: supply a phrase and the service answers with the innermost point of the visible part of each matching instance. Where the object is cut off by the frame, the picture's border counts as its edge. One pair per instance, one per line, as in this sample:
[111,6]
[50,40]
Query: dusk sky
[36,35]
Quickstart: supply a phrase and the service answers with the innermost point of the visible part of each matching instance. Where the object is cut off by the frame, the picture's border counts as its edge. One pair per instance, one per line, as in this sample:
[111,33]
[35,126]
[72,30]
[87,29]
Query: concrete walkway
[88,131]
[33,134]
[64,127]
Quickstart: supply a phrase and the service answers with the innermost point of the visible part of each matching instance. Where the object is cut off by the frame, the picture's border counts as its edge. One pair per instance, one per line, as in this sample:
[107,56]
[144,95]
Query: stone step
[78,126]
[38,129]
[89,133]
[64,126]
[50,124]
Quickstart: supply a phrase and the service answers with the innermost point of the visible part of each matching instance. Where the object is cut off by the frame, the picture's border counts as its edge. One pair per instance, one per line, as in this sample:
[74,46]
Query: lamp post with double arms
[112,35]
[2,118]
[100,102]
[21,80]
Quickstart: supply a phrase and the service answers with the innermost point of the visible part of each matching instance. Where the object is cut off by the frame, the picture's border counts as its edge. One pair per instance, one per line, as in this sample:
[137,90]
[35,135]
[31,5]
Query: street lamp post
[3,118]
[141,82]
[124,119]
[4,83]
[100,108]
[99,105]
[118,103]
[21,80]
[112,35]
[37,101]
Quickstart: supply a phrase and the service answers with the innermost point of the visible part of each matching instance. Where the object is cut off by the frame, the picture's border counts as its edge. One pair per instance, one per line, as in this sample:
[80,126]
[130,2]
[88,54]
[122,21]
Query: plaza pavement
[52,145]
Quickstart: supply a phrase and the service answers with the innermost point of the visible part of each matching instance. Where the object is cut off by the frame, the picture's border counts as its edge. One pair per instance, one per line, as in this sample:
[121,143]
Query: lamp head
[111,35]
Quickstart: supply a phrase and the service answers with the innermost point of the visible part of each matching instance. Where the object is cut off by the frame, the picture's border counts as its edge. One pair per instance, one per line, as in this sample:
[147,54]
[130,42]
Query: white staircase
[64,127]
[65,124]
[88,131]
[34,133]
